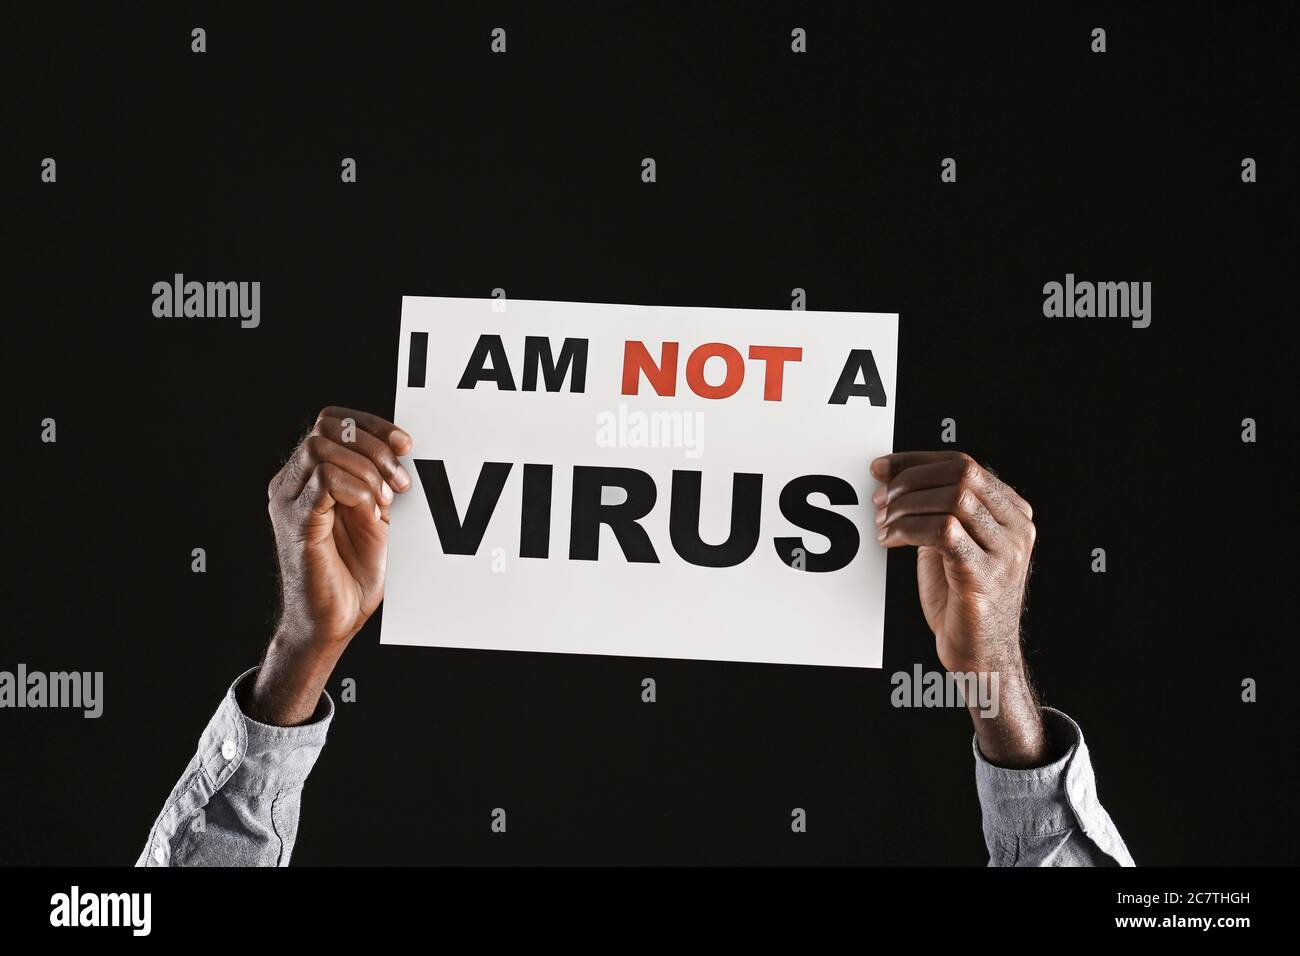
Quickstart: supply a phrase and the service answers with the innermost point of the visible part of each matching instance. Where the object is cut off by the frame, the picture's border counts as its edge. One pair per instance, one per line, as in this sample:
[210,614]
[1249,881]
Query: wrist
[301,634]
[287,687]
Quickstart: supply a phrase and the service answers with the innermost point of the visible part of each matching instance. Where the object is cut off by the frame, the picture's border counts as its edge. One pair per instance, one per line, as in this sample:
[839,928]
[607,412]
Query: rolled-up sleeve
[237,802]
[1048,816]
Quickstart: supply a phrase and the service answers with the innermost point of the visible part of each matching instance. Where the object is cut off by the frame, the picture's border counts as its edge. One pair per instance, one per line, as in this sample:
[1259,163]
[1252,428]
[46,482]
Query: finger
[363,442]
[329,484]
[887,466]
[1014,497]
[944,533]
[317,449]
[381,428]
[956,500]
[1009,509]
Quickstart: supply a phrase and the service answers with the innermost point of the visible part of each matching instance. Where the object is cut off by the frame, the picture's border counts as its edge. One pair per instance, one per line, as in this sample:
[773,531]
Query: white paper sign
[641,481]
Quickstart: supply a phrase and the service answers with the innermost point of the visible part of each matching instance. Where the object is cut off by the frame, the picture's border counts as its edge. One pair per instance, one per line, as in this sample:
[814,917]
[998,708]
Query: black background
[775,170]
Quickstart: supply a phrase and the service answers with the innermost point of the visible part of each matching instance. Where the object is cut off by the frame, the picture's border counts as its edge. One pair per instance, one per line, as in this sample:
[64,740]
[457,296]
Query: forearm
[1009,730]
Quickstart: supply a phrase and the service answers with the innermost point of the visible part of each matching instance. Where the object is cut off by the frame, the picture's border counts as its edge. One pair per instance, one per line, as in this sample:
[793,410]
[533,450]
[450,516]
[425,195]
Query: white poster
[641,481]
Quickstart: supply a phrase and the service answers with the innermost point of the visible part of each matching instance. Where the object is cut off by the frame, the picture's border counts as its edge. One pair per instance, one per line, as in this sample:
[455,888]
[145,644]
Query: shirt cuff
[1051,799]
[240,753]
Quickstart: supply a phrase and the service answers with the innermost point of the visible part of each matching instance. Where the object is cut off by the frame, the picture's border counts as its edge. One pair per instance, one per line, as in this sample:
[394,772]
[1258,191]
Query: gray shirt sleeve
[1048,816]
[237,802]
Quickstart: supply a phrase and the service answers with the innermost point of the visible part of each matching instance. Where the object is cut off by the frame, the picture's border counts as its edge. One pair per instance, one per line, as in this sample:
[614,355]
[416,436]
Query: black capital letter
[476,370]
[859,360]
[841,531]
[684,520]
[589,514]
[458,538]
[537,352]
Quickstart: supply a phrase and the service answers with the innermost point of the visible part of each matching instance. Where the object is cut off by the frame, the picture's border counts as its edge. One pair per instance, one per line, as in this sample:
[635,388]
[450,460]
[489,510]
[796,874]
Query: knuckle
[321,475]
[289,471]
[964,501]
[316,446]
[390,475]
[949,529]
[385,457]
[1025,551]
[328,417]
